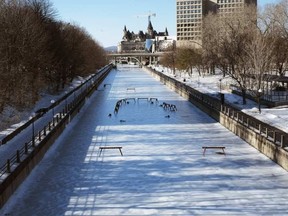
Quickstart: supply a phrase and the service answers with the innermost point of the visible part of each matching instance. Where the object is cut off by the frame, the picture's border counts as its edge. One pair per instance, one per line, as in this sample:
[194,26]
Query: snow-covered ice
[162,172]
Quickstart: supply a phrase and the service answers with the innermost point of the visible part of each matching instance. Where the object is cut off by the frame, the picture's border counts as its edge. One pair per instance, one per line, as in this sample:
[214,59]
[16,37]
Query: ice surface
[162,172]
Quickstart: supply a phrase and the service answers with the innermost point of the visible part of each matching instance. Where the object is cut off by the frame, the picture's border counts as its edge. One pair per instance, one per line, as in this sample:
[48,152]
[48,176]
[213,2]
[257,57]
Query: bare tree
[38,52]
[188,58]
[82,54]
[169,59]
[275,20]
[22,45]
[212,28]
[259,60]
[229,35]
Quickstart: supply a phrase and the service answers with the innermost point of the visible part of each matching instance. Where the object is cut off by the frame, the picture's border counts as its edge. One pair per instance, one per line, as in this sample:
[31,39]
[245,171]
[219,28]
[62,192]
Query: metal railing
[273,134]
[57,120]
[28,147]
[271,96]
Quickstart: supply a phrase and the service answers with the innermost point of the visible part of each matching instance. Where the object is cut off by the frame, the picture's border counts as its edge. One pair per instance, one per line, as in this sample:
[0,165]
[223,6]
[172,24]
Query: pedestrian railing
[269,96]
[273,134]
[57,120]
[28,147]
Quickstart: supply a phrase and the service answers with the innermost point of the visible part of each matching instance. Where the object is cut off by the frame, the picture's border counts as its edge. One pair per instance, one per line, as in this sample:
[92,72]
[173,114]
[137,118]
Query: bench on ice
[127,99]
[142,98]
[213,147]
[154,99]
[110,147]
[131,89]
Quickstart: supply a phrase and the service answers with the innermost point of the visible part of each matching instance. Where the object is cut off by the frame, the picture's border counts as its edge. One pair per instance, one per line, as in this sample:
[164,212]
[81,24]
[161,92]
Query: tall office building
[190,14]
[189,21]
[231,6]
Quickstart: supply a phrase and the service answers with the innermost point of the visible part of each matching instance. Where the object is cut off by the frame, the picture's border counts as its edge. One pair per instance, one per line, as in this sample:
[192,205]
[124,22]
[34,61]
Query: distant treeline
[39,52]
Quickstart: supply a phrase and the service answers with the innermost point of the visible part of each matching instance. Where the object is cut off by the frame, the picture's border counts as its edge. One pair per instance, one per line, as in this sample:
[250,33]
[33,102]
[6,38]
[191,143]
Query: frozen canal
[162,171]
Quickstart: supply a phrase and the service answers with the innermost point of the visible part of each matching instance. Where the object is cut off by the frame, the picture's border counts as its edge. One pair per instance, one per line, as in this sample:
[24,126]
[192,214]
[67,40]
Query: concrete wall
[208,104]
[254,138]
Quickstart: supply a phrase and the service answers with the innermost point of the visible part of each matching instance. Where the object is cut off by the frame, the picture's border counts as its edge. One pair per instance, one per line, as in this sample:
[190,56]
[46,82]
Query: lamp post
[52,102]
[66,104]
[33,130]
[74,93]
[220,87]
[259,101]
[81,85]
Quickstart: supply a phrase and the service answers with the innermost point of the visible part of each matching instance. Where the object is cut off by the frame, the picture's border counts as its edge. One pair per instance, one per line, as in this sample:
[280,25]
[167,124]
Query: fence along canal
[21,163]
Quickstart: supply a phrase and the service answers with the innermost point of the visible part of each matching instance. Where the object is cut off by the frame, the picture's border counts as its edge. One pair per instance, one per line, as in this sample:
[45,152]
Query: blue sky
[105,19]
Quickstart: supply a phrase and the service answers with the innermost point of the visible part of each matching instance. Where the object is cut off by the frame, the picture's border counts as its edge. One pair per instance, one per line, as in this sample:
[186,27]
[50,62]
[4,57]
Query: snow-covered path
[162,172]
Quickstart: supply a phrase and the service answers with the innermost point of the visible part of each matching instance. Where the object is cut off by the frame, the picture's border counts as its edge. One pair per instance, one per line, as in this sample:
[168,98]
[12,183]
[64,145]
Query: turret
[150,30]
[166,32]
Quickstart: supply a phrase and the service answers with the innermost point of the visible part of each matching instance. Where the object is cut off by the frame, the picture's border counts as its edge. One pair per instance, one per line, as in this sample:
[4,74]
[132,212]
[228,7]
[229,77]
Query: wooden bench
[154,99]
[142,98]
[106,84]
[127,99]
[110,147]
[213,147]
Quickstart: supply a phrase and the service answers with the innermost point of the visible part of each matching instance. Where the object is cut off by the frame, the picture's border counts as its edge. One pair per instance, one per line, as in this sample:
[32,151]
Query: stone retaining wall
[256,138]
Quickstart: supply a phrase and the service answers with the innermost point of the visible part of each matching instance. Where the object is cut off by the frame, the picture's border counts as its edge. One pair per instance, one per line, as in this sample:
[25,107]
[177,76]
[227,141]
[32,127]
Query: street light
[259,101]
[52,102]
[66,104]
[74,93]
[220,88]
[33,129]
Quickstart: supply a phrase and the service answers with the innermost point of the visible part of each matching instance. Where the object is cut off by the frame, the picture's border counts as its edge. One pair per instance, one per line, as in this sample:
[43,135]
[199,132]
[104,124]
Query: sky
[105,20]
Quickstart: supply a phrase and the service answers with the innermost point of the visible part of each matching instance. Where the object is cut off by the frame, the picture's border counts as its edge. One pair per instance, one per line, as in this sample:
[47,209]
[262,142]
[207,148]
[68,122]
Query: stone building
[142,42]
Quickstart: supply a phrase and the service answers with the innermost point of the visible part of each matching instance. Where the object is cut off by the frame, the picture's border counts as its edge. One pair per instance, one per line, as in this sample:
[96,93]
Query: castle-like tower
[132,42]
